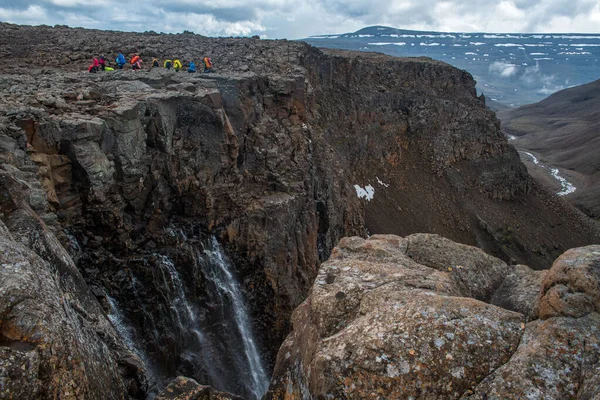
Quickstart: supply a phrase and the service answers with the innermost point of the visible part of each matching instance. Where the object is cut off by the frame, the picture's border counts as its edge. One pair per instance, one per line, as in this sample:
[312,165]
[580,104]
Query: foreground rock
[393,317]
[183,388]
[55,340]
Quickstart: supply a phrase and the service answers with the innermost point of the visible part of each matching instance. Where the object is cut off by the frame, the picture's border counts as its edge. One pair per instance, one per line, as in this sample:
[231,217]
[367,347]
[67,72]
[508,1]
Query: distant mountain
[564,131]
[513,69]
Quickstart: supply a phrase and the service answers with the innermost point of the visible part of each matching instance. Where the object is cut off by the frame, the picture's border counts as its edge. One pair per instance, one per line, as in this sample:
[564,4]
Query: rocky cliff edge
[424,317]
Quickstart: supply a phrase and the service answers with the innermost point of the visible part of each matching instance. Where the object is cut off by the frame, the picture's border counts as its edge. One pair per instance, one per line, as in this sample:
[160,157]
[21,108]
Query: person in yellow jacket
[168,64]
[177,65]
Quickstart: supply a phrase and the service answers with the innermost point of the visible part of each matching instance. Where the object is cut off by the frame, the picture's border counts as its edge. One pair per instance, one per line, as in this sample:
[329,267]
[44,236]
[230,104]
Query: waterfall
[126,332]
[214,329]
[218,269]
[198,350]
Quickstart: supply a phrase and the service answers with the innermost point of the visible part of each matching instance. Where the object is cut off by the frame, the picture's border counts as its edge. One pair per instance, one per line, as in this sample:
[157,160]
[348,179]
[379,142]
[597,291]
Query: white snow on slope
[381,183]
[367,193]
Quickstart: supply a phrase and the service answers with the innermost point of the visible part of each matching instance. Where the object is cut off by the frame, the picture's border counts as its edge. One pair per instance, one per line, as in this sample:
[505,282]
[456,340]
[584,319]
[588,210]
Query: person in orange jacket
[136,62]
[208,65]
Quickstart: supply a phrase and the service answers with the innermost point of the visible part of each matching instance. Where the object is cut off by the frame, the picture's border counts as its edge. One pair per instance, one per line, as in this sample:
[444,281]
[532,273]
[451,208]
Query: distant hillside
[513,69]
[564,130]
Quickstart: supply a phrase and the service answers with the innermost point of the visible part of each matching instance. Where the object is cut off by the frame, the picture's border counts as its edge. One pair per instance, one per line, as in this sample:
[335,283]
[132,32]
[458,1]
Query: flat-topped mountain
[510,68]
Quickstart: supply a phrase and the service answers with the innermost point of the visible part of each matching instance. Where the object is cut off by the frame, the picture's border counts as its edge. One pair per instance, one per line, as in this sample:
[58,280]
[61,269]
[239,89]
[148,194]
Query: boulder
[556,359]
[392,318]
[520,291]
[182,388]
[379,322]
[571,287]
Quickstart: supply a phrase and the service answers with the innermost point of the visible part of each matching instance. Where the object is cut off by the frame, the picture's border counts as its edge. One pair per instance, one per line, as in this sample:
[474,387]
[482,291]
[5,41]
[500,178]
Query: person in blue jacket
[120,60]
[192,67]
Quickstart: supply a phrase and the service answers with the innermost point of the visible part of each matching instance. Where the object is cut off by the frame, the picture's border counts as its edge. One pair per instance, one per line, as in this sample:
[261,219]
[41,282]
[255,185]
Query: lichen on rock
[395,318]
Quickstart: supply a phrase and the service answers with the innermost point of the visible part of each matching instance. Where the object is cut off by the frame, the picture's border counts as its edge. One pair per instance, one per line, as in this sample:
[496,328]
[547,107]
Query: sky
[294,19]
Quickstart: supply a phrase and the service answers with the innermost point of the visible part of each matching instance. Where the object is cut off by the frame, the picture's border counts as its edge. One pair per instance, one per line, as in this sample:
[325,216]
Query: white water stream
[204,316]
[566,186]
[229,291]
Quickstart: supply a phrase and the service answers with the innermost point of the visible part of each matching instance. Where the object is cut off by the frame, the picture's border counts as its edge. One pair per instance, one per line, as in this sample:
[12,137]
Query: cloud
[533,77]
[292,19]
[505,70]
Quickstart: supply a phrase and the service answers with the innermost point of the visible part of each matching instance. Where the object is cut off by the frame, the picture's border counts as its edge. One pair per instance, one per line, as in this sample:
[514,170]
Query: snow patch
[381,183]
[387,44]
[367,193]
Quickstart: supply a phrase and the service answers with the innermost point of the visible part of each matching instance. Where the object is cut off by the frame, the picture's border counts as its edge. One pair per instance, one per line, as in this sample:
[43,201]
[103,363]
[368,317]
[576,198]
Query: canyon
[158,224]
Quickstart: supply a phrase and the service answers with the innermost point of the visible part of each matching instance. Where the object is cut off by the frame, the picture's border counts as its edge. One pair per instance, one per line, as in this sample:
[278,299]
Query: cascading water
[229,295]
[126,332]
[193,318]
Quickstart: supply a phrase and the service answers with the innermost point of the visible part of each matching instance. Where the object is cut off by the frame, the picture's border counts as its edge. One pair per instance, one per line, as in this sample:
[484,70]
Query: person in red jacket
[94,67]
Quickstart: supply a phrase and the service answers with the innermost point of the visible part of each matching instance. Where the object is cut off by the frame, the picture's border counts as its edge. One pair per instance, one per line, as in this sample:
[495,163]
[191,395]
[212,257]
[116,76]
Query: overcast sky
[297,19]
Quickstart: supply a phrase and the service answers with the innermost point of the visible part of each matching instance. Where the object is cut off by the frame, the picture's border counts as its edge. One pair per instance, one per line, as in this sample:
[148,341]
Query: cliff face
[133,171]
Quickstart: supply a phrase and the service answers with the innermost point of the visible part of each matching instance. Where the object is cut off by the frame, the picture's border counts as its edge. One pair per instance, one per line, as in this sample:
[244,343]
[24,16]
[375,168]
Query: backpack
[208,62]
[192,67]
[120,59]
[135,59]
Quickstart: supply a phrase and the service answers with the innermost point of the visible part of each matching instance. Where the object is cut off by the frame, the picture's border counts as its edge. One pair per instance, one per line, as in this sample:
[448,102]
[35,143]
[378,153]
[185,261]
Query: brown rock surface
[55,341]
[572,286]
[182,388]
[392,318]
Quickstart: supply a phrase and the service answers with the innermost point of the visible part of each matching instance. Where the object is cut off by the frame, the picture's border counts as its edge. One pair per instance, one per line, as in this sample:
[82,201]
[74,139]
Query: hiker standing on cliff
[136,62]
[177,65]
[208,65]
[102,62]
[168,64]
[120,60]
[94,67]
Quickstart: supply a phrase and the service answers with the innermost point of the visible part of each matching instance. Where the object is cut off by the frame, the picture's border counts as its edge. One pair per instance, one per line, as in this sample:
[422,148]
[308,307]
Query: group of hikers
[99,64]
